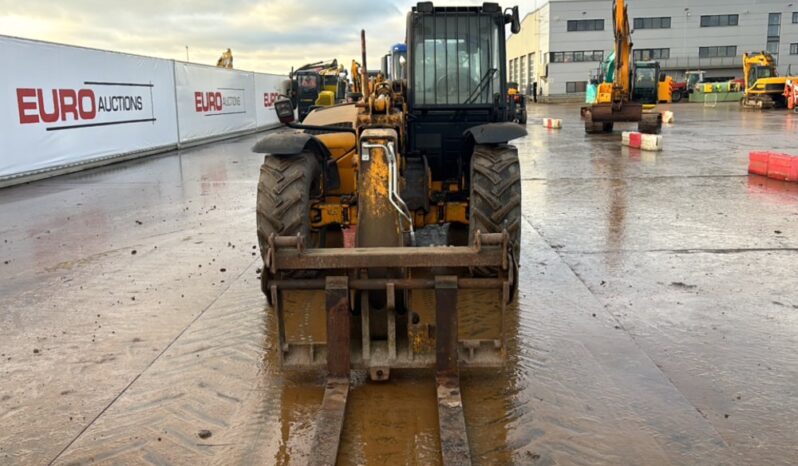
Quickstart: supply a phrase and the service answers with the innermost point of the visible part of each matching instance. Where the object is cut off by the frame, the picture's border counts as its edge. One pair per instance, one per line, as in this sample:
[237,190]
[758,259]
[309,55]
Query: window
[795,17]
[586,25]
[531,63]
[455,60]
[774,25]
[714,52]
[719,20]
[653,23]
[580,56]
[572,87]
[774,30]
[651,54]
[793,49]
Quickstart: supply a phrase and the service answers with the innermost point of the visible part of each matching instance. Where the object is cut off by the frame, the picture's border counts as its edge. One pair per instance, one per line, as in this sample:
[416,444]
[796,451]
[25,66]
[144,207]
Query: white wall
[213,101]
[63,105]
[267,88]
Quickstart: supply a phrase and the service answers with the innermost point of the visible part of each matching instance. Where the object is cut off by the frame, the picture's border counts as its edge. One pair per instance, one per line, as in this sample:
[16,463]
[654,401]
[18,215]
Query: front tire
[495,200]
[285,188]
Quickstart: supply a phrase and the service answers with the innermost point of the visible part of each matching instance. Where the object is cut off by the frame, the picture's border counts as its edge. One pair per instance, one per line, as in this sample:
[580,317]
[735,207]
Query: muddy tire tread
[495,201]
[284,195]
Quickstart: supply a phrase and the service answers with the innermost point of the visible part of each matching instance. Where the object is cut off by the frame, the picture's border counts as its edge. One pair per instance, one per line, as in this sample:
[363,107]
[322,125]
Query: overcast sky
[264,35]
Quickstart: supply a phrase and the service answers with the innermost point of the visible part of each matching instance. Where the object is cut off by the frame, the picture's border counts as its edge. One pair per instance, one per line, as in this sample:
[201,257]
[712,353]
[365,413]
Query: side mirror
[285,111]
[514,19]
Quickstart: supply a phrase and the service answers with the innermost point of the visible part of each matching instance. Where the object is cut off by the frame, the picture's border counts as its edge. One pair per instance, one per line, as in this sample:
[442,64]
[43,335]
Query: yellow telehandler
[390,227]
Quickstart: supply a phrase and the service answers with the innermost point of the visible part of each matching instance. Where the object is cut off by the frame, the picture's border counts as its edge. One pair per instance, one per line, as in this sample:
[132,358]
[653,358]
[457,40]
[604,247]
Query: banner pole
[177,116]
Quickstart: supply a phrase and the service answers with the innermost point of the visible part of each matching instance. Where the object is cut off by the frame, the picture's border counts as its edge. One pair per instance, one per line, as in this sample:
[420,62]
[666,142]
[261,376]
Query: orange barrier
[783,167]
[774,165]
[758,163]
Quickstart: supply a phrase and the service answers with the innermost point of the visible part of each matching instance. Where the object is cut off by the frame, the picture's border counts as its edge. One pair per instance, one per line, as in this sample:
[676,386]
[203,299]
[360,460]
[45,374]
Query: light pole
[187,53]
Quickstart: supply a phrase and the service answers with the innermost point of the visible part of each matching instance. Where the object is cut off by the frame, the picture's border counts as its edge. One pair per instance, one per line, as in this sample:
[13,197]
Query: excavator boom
[623,52]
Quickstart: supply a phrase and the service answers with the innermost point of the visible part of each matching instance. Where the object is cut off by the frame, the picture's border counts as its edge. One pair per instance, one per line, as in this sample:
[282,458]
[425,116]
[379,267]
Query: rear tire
[676,97]
[285,188]
[495,200]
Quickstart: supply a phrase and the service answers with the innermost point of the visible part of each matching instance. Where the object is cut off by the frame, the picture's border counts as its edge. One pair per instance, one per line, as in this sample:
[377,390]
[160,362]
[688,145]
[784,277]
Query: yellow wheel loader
[390,227]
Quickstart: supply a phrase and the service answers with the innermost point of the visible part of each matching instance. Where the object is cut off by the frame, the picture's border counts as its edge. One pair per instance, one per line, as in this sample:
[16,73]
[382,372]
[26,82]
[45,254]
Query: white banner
[213,101]
[268,88]
[61,105]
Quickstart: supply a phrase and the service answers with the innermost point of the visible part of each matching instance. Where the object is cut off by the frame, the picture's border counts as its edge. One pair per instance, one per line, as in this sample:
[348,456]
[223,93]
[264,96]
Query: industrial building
[563,41]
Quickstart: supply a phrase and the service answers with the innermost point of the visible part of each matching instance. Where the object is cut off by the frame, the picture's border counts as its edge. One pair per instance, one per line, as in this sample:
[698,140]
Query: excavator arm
[619,107]
[623,52]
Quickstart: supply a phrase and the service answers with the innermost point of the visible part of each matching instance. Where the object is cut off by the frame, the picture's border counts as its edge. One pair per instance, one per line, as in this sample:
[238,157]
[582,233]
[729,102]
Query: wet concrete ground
[657,321]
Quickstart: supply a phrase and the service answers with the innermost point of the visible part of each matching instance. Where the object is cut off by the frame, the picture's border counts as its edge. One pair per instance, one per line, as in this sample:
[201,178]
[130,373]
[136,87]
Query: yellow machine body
[605,93]
[325,98]
[763,87]
[339,206]
[226,60]
[665,90]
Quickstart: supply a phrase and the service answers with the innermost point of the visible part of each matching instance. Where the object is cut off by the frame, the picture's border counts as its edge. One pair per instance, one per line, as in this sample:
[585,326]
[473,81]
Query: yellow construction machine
[390,227]
[614,101]
[764,88]
[226,60]
[318,84]
[356,87]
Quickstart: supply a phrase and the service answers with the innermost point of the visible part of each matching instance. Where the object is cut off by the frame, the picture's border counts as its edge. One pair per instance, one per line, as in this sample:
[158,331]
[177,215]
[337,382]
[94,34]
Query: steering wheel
[447,86]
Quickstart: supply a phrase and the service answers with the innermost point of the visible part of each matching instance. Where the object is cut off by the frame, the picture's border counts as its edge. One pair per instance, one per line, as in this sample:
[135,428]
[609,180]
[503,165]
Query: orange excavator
[615,102]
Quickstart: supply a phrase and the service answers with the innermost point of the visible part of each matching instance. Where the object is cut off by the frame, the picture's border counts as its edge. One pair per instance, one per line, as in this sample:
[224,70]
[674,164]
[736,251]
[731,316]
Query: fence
[65,108]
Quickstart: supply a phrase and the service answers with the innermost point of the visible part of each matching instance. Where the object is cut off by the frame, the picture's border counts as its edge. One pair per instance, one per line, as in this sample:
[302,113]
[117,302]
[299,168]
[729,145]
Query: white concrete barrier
[635,140]
[552,123]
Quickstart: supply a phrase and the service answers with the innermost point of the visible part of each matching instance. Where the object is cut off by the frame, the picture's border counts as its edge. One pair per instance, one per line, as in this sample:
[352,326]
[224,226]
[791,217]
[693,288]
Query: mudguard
[495,133]
[283,143]
[289,143]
